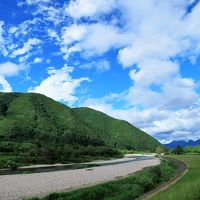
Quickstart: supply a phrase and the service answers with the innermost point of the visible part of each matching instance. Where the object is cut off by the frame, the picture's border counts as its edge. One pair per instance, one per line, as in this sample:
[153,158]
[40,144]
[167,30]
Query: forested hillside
[36,125]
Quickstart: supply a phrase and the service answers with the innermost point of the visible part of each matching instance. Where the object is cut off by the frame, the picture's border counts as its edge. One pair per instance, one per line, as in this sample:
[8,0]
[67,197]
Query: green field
[188,187]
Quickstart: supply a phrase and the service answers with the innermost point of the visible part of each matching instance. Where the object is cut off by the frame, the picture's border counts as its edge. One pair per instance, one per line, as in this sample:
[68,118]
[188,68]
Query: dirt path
[15,187]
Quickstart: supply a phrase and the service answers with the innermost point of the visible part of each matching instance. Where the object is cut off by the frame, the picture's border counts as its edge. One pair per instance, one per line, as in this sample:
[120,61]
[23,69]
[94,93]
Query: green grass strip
[188,187]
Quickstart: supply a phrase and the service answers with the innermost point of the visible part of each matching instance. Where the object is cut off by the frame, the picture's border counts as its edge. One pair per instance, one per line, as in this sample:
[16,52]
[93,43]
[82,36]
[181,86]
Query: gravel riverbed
[19,186]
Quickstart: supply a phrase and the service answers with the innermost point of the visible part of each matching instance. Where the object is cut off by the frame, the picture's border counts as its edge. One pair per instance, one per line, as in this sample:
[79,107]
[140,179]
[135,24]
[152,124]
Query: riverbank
[125,188]
[15,187]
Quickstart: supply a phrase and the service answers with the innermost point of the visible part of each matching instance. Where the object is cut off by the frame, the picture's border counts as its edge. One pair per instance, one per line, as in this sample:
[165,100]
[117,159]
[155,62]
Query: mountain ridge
[35,117]
[182,143]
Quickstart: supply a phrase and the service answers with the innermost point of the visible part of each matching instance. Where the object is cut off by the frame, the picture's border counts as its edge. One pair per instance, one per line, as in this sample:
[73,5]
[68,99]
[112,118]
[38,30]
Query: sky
[136,60]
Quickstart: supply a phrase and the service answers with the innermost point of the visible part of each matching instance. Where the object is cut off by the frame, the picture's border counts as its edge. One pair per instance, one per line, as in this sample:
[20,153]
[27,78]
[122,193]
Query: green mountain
[117,133]
[35,118]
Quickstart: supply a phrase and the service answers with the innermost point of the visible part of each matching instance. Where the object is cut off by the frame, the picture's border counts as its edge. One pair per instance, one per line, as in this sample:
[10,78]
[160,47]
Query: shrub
[155,174]
[11,164]
[145,181]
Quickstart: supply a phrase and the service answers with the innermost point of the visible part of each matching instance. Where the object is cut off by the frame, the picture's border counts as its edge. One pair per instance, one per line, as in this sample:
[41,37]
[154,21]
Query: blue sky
[135,60]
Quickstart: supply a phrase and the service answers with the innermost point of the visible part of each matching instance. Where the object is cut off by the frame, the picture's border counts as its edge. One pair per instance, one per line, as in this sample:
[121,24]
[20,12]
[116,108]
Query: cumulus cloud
[158,83]
[8,69]
[153,22]
[93,39]
[89,8]
[59,85]
[73,33]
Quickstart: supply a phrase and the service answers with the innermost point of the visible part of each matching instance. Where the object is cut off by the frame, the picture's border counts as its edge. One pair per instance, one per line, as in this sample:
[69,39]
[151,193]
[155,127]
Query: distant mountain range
[175,143]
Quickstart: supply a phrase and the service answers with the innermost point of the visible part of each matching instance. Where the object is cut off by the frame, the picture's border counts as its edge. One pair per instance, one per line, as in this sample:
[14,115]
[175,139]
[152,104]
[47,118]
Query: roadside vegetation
[123,189]
[188,187]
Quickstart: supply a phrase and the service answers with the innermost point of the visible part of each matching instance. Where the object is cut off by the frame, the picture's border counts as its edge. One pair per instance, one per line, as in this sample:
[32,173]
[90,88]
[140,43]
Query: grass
[124,189]
[188,187]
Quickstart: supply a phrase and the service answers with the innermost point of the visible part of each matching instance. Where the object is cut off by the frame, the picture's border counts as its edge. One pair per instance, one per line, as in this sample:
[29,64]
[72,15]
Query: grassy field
[123,189]
[188,187]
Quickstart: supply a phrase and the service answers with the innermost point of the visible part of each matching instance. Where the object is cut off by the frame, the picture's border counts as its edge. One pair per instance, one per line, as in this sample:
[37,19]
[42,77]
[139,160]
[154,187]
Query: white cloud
[50,12]
[59,85]
[53,35]
[146,48]
[8,69]
[19,39]
[24,58]
[24,29]
[161,31]
[143,25]
[73,33]
[26,48]
[47,10]
[158,83]
[37,60]
[4,85]
[12,29]
[100,65]
[32,2]
[93,39]
[3,49]
[89,8]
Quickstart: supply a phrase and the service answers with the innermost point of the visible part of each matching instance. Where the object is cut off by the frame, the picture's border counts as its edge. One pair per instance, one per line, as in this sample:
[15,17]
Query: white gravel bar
[20,186]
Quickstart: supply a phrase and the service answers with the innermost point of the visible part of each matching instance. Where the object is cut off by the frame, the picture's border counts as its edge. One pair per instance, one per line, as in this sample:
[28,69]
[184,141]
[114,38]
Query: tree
[160,150]
[178,150]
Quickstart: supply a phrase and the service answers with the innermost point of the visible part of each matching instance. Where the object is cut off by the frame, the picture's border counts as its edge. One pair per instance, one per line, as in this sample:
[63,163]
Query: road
[19,186]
